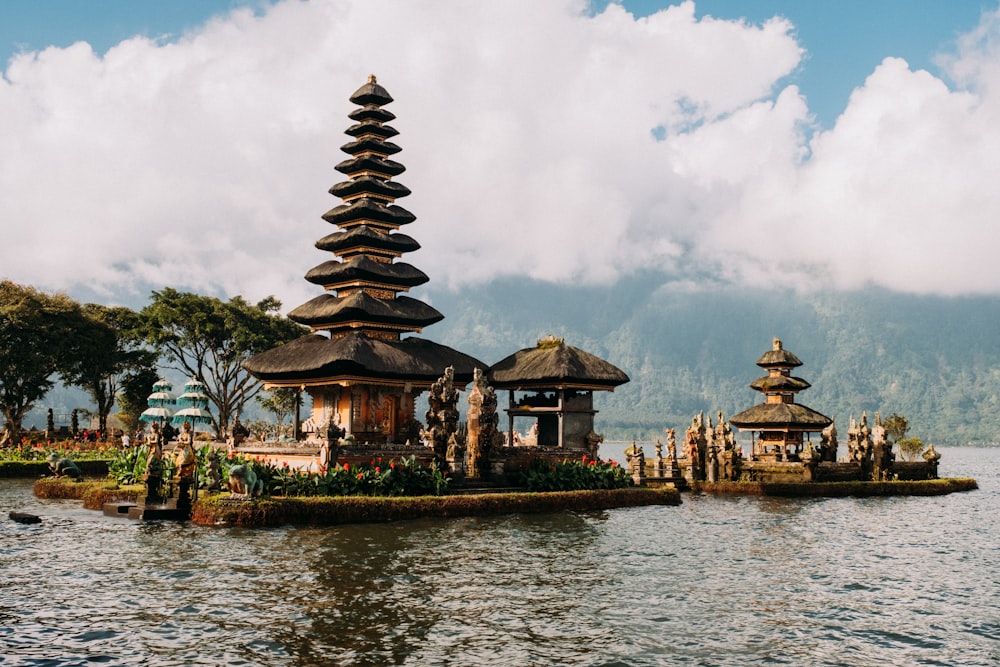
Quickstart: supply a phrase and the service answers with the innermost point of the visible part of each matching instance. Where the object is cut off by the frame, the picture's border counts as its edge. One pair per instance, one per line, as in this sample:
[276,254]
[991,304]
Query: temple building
[360,364]
[553,384]
[779,423]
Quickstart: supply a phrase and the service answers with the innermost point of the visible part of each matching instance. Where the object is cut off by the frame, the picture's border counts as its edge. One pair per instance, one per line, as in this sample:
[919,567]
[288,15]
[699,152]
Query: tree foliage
[281,402]
[133,393]
[896,426]
[114,351]
[209,339]
[911,448]
[41,336]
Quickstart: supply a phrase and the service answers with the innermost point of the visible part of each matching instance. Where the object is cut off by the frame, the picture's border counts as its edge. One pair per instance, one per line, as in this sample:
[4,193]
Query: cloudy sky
[192,144]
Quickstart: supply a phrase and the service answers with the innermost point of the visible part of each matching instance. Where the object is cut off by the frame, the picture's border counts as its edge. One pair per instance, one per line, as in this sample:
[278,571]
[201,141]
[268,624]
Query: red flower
[360,475]
[377,468]
[392,464]
[347,466]
[593,463]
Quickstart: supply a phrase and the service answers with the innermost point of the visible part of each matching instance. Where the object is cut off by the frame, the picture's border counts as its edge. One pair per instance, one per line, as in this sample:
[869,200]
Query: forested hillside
[935,360]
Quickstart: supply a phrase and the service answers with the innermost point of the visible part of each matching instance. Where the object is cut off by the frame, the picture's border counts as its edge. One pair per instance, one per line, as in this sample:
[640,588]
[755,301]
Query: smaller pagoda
[779,422]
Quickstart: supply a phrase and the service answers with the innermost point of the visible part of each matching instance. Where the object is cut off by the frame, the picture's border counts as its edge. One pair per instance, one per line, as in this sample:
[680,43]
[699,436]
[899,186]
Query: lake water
[716,581]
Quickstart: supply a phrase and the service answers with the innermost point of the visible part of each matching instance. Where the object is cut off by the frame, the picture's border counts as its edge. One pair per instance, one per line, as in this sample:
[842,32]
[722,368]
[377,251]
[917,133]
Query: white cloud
[529,132]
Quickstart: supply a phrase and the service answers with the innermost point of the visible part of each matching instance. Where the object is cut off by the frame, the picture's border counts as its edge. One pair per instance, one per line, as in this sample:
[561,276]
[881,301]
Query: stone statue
[187,465]
[455,455]
[473,451]
[828,443]
[671,444]
[324,455]
[238,432]
[186,459]
[712,464]
[63,467]
[594,441]
[243,482]
[932,457]
[153,475]
[636,460]
[214,475]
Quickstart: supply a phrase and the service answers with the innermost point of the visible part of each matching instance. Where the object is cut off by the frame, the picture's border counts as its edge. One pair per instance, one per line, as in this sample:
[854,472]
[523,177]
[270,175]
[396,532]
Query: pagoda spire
[364,281]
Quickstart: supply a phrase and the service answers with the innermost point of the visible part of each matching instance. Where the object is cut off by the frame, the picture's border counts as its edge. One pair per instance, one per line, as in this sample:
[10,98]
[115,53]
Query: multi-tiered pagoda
[779,421]
[360,370]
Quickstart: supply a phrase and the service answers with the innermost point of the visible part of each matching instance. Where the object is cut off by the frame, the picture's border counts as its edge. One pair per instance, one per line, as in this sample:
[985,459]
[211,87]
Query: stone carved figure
[854,454]
[671,444]
[473,451]
[828,443]
[186,459]
[712,464]
[931,456]
[636,461]
[882,456]
[153,475]
[593,441]
[214,474]
[482,419]
[442,414]
[243,482]
[62,466]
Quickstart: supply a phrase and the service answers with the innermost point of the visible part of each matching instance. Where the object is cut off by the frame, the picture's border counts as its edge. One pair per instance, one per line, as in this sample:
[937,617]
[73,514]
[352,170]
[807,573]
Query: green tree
[911,448]
[209,339]
[41,336]
[896,426]
[281,402]
[114,351]
[133,393]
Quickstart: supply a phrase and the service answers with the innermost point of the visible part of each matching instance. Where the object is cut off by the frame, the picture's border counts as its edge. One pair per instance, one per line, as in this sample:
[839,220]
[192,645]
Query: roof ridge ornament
[550,341]
[776,344]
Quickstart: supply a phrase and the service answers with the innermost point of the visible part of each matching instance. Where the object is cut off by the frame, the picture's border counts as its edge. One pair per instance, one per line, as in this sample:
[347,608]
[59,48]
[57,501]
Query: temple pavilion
[779,422]
[553,383]
[360,365]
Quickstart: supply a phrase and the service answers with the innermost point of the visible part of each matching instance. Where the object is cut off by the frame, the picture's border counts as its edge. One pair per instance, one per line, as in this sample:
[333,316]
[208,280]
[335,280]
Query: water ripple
[715,582]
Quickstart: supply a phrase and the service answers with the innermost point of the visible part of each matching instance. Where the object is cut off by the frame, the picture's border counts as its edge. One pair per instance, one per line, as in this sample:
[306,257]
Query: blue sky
[826,145]
[845,39]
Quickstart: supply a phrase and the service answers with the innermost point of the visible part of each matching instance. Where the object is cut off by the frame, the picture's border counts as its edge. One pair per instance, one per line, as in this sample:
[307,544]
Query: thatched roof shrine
[553,364]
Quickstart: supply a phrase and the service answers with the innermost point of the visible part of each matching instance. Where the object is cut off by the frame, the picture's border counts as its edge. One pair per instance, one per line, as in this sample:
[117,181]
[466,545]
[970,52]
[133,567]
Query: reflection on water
[716,581]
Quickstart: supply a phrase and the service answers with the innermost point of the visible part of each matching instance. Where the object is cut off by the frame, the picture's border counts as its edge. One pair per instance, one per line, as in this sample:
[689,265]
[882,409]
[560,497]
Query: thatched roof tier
[371,145]
[333,274]
[373,129]
[781,417]
[555,365]
[316,359]
[364,210]
[327,311]
[369,185]
[372,112]
[776,383]
[371,164]
[364,238]
[778,357]
[371,93]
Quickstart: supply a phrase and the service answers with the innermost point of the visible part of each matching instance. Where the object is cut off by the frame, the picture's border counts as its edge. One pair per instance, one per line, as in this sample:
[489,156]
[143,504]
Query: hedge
[332,510]
[924,487]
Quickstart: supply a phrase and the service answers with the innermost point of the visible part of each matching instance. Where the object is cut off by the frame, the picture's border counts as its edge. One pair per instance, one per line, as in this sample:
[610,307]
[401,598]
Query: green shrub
[582,475]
